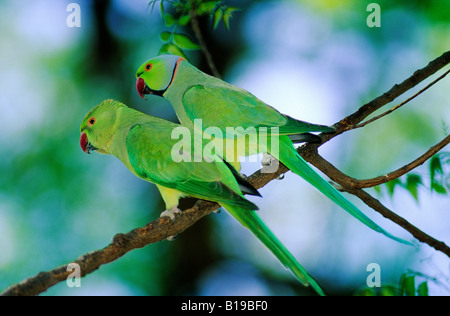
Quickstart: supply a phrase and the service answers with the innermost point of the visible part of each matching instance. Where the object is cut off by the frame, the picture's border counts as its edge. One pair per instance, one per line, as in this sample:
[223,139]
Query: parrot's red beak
[141,87]
[84,143]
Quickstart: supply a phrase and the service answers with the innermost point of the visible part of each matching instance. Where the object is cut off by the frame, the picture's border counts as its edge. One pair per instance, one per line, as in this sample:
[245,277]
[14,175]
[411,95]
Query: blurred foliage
[406,287]
[57,203]
[176,42]
[439,178]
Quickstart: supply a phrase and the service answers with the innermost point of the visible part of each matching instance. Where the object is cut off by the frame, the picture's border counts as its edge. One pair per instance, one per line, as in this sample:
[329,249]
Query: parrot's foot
[266,160]
[171,213]
[220,209]
[270,164]
[172,238]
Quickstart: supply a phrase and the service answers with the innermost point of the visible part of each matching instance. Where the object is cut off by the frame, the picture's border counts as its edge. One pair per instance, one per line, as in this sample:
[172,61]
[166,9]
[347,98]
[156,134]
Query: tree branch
[162,228]
[201,41]
[121,244]
[403,170]
[348,182]
[402,103]
[416,232]
[391,95]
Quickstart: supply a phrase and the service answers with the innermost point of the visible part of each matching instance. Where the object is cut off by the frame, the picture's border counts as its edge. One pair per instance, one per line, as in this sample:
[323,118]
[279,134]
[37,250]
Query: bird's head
[97,127]
[155,75]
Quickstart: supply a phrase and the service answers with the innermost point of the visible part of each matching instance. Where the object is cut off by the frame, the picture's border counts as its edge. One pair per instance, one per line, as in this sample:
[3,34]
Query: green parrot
[146,147]
[204,102]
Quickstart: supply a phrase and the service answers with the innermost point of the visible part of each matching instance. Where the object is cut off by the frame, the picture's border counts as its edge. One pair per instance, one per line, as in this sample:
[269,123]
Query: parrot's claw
[220,209]
[266,160]
[171,213]
[281,177]
[270,164]
[172,238]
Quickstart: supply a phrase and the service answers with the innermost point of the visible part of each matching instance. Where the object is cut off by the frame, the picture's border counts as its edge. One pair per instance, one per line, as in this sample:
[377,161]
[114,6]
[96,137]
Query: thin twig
[389,96]
[201,41]
[348,182]
[402,103]
[367,183]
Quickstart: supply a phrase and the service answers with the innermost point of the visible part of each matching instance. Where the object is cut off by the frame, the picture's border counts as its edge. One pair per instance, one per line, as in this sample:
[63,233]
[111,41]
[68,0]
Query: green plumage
[233,107]
[195,95]
[144,144]
[149,150]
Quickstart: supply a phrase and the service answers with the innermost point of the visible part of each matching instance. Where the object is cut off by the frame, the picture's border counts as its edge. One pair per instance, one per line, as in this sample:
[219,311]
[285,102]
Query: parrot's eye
[148,67]
[91,121]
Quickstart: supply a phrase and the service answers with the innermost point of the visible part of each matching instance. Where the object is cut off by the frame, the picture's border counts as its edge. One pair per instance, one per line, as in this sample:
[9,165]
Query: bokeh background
[314,60]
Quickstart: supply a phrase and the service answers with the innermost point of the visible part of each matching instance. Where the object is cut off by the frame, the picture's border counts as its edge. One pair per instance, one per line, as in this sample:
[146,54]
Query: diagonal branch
[348,185]
[416,232]
[162,228]
[121,244]
[402,103]
[391,95]
[348,182]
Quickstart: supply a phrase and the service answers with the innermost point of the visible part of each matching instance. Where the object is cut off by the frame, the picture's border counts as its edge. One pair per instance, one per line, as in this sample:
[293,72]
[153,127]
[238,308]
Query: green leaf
[161,7]
[184,42]
[401,282]
[412,183]
[377,189]
[366,292]
[409,286]
[391,186]
[217,17]
[174,50]
[207,7]
[165,36]
[169,20]
[438,188]
[389,290]
[435,167]
[184,20]
[422,290]
[227,15]
[152,4]
[164,49]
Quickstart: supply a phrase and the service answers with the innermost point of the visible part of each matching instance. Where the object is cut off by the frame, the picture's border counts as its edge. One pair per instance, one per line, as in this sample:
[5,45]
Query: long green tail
[253,222]
[291,159]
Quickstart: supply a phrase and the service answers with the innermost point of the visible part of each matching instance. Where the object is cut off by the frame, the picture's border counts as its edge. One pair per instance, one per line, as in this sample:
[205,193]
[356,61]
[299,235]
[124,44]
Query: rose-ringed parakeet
[145,145]
[204,101]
